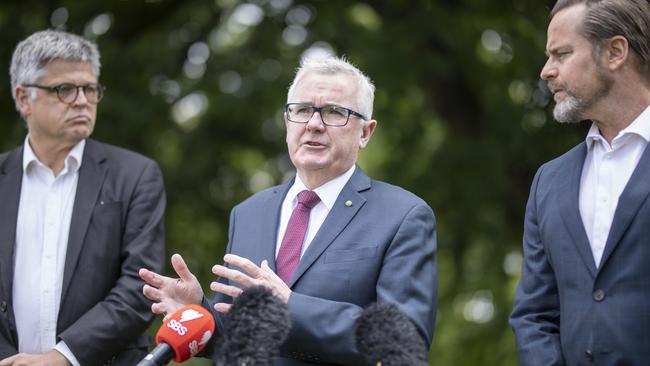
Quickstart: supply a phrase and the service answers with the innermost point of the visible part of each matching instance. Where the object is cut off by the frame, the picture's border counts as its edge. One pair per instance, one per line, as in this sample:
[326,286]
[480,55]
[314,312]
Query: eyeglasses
[331,115]
[68,93]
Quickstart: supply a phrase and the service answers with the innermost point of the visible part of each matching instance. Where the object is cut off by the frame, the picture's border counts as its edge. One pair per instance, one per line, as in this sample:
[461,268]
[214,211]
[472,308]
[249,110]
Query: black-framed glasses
[68,93]
[331,114]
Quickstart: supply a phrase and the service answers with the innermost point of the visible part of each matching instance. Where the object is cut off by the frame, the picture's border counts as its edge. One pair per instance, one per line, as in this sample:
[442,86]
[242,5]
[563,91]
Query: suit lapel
[338,219]
[91,179]
[569,194]
[269,229]
[633,196]
[11,174]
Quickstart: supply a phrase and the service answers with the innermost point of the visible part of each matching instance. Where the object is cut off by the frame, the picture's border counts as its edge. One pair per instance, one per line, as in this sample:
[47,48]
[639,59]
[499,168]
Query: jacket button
[589,355]
[599,295]
[3,306]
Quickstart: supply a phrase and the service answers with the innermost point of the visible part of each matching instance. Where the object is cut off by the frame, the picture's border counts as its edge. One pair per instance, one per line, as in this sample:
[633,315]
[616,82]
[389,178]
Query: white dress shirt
[328,194]
[42,229]
[606,171]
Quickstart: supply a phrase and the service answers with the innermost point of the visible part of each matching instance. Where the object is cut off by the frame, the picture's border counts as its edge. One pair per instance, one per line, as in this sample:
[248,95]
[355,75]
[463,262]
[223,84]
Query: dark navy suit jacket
[380,248]
[567,310]
[116,229]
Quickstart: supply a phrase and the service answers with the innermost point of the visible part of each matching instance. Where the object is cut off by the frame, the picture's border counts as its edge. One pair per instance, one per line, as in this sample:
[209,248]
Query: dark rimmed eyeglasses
[331,114]
[68,93]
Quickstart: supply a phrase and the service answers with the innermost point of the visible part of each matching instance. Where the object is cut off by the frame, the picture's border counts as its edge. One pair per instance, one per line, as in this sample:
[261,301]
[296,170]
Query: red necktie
[291,247]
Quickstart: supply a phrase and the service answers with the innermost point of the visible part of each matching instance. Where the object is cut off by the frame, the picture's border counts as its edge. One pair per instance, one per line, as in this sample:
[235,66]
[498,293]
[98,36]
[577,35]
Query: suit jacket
[381,248]
[116,229]
[568,311]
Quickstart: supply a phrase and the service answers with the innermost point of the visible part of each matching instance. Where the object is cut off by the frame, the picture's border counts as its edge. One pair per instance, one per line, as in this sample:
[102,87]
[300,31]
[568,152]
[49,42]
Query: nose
[315,122]
[549,71]
[81,96]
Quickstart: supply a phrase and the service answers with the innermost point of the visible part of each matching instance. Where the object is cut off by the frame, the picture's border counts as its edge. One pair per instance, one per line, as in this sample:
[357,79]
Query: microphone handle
[161,355]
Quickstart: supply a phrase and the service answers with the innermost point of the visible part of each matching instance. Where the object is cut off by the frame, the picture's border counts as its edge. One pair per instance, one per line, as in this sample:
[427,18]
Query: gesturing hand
[249,275]
[170,294]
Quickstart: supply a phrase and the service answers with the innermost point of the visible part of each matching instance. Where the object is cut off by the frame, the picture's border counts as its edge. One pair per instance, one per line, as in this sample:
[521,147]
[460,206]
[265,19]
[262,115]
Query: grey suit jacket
[381,248]
[568,311]
[116,229]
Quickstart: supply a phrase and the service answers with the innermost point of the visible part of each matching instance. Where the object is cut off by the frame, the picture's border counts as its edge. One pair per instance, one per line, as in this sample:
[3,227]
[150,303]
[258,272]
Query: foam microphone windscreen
[256,326]
[187,331]
[384,334]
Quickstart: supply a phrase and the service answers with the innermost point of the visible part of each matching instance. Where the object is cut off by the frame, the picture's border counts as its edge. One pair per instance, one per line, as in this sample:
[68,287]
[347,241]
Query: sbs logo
[177,327]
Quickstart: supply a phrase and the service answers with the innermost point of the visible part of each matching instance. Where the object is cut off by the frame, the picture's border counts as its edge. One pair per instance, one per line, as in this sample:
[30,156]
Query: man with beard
[584,295]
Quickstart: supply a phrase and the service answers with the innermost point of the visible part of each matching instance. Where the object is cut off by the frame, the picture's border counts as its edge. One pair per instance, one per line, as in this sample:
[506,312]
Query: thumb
[181,268]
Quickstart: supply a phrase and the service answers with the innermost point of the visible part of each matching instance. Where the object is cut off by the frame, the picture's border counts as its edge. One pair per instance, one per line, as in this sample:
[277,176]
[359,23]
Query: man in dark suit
[584,295]
[78,219]
[360,240]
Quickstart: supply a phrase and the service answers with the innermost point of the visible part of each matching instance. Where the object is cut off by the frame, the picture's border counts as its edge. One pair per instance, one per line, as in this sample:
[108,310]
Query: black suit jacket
[116,229]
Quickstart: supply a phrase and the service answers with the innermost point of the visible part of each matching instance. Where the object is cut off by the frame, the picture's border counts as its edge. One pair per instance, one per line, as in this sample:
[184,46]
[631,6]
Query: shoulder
[116,156]
[391,198]
[11,159]
[275,192]
[561,165]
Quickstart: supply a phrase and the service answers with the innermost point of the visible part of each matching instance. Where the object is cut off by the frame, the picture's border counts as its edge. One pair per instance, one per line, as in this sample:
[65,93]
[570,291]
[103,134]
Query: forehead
[332,88]
[68,71]
[565,27]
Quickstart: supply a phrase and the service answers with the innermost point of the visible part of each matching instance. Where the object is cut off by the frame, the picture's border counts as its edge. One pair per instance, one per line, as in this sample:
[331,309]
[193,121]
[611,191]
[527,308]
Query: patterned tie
[291,247]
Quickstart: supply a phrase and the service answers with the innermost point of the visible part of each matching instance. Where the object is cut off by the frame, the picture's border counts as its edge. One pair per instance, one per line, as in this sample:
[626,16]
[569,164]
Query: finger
[265,267]
[233,275]
[9,360]
[231,291]
[222,307]
[246,265]
[151,293]
[152,278]
[159,308]
[181,268]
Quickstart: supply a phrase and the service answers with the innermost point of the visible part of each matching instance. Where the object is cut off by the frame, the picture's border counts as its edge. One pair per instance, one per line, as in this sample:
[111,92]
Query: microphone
[256,326]
[386,336]
[186,333]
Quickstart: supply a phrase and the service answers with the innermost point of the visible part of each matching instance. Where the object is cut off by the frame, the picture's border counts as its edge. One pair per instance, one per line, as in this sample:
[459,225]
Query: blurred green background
[199,85]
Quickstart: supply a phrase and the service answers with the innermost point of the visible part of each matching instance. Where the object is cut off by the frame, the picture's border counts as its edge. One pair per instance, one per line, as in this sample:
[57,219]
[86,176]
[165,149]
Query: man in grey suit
[363,240]
[584,295]
[78,219]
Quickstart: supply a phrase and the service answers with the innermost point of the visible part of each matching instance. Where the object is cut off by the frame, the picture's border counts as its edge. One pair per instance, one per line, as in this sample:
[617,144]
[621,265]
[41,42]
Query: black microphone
[386,336]
[256,326]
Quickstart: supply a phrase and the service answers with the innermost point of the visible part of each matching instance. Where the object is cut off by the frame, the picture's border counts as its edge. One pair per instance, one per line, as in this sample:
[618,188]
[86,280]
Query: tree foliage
[463,121]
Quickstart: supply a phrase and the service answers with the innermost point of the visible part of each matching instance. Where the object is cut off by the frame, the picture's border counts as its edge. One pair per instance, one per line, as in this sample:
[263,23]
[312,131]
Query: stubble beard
[573,108]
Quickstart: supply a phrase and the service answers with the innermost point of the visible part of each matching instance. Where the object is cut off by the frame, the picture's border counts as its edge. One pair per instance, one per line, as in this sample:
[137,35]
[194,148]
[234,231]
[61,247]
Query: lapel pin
[348,203]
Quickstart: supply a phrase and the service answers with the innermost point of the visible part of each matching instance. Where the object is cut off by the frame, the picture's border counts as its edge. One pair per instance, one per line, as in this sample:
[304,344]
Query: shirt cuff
[65,351]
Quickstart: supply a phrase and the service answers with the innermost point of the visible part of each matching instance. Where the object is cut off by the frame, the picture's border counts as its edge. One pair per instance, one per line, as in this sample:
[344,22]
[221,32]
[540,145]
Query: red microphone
[186,332]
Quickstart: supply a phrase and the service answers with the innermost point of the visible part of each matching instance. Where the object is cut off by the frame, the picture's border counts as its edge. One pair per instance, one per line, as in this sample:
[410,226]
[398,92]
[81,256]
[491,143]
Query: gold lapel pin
[348,203]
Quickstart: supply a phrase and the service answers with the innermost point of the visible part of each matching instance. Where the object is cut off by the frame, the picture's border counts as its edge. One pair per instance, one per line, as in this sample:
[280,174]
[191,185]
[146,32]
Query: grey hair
[33,53]
[338,65]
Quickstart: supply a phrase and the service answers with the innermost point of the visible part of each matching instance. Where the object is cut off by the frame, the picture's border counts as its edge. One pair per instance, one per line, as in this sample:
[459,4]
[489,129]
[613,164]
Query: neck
[51,155]
[315,179]
[623,106]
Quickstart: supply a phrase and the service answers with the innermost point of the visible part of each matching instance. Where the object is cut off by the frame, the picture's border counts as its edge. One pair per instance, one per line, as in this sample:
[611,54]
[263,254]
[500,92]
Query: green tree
[463,123]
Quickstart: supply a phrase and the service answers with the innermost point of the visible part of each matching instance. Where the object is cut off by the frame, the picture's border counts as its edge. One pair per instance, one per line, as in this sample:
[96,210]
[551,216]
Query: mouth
[79,119]
[312,144]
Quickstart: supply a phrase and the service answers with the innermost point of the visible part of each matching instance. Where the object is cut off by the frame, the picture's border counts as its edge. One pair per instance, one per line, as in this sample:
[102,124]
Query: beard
[574,107]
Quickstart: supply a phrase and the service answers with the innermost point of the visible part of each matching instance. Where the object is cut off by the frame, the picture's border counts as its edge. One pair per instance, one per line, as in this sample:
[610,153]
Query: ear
[617,50]
[366,133]
[23,101]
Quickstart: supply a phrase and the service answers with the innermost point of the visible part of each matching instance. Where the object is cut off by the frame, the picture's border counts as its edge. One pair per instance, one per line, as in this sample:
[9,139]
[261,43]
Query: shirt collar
[639,127]
[327,192]
[72,161]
